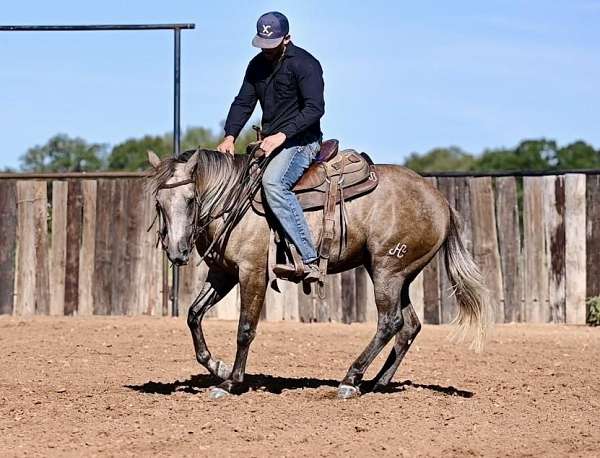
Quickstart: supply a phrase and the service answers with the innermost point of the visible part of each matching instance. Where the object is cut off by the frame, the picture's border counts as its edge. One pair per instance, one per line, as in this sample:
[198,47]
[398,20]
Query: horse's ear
[153,159]
[191,163]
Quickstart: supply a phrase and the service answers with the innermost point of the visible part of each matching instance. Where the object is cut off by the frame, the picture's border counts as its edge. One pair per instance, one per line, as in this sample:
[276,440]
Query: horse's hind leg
[404,340]
[216,286]
[388,289]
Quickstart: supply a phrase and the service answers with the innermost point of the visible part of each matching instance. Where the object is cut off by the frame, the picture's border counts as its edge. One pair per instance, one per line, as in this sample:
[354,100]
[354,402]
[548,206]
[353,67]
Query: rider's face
[273,54]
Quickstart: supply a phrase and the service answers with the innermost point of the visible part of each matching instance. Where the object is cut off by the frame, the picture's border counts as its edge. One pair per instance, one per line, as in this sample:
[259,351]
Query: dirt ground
[131,386]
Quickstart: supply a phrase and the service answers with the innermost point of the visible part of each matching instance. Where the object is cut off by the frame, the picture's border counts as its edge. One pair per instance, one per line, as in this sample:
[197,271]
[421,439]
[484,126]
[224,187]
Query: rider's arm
[311,86]
[242,107]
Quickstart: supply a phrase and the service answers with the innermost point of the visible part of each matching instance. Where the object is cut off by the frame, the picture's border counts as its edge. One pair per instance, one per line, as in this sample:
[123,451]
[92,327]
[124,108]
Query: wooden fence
[77,245]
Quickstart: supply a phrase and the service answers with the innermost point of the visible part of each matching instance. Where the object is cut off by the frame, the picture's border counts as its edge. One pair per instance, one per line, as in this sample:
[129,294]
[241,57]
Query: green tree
[64,154]
[578,155]
[528,155]
[441,160]
[132,153]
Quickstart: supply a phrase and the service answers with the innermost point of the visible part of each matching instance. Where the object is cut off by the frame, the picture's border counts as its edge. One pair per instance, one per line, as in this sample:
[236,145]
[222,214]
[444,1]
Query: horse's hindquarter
[405,217]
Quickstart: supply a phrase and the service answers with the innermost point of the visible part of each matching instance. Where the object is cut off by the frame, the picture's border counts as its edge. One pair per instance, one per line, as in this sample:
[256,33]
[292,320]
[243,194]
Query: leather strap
[329,219]
[177,184]
[298,263]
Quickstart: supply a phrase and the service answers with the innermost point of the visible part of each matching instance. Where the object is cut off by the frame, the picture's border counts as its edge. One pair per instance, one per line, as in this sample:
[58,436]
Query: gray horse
[404,210]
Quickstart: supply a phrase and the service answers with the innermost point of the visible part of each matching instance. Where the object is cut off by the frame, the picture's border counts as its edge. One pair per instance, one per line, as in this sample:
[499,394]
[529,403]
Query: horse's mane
[213,170]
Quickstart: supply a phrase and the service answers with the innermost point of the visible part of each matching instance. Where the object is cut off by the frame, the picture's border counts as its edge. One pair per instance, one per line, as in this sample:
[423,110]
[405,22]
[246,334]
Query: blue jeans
[280,176]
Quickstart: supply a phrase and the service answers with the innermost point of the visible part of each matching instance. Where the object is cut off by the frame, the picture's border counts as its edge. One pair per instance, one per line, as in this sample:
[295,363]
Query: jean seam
[297,219]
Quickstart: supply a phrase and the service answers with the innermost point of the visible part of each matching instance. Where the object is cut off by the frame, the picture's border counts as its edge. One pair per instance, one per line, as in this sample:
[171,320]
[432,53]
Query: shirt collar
[290,50]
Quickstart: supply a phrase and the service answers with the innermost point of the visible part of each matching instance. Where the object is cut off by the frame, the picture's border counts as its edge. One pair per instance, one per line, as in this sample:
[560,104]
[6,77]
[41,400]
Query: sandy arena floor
[131,386]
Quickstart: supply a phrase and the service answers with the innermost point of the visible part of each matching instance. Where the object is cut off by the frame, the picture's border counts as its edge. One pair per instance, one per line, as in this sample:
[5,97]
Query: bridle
[238,203]
[162,230]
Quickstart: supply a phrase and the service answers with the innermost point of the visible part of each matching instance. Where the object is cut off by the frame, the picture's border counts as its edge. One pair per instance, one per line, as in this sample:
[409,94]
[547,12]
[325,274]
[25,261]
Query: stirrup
[293,272]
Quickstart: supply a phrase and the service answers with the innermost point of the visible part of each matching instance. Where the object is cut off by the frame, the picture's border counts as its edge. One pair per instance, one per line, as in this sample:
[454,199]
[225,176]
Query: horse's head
[175,191]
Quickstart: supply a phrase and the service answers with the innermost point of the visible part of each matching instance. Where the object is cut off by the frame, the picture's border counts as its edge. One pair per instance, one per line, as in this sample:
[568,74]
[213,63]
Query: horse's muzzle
[179,259]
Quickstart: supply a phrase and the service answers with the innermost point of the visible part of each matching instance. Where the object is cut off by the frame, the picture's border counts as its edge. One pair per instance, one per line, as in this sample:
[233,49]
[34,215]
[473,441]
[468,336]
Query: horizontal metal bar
[94,27]
[62,175]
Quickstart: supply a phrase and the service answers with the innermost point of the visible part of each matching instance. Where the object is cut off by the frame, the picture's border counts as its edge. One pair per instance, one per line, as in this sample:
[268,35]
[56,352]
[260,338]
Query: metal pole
[176,148]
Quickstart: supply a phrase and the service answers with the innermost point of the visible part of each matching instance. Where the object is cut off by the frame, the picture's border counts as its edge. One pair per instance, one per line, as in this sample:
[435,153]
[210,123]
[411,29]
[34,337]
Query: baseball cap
[271,29]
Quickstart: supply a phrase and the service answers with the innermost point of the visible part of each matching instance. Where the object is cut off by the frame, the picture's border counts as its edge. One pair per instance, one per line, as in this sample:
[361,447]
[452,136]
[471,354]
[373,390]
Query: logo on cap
[266,30]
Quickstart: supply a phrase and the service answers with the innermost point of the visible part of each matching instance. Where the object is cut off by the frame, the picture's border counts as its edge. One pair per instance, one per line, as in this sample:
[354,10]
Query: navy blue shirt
[290,94]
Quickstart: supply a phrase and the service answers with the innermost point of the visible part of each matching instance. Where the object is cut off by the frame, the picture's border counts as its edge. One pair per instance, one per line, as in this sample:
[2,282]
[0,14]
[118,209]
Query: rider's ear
[190,165]
[153,159]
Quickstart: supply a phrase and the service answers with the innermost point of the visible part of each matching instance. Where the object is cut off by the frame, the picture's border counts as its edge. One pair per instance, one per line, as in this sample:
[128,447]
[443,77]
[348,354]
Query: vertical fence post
[176,148]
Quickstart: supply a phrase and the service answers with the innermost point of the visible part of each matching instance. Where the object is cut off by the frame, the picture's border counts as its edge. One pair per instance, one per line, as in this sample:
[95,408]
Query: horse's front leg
[253,286]
[216,286]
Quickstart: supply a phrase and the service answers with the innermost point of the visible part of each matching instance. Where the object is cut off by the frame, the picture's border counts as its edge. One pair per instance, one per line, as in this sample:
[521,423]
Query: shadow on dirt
[276,385]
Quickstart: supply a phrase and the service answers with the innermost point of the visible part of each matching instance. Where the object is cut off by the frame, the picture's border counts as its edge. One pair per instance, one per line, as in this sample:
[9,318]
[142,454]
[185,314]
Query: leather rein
[239,202]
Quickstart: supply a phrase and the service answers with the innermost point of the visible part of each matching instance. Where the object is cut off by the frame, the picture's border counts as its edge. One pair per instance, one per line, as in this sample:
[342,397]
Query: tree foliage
[540,154]
[132,153]
[441,159]
[64,154]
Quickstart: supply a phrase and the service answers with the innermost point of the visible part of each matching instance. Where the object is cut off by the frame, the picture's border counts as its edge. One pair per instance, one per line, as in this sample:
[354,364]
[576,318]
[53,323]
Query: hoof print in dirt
[348,392]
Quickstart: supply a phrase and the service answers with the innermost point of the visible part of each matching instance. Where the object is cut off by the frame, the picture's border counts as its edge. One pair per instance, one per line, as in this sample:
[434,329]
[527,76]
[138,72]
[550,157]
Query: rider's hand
[272,142]
[227,145]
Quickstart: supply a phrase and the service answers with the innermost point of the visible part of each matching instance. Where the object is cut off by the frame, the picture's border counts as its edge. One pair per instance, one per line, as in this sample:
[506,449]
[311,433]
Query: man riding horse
[383,217]
[288,82]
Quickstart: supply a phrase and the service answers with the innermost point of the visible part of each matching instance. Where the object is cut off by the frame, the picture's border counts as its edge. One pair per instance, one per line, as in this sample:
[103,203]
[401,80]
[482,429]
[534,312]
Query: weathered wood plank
[103,248]
[334,295]
[58,250]
[273,308]
[349,296]
[8,244]
[26,259]
[322,306]
[40,221]
[593,236]
[431,285]
[509,243]
[575,248]
[32,256]
[150,296]
[462,200]
[534,251]
[135,228]
[448,306]
[119,261]
[87,254]
[554,209]
[306,307]
[74,223]
[485,241]
[289,292]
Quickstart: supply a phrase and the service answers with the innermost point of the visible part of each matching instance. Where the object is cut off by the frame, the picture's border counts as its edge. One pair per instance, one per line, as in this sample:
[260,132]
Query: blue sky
[400,76]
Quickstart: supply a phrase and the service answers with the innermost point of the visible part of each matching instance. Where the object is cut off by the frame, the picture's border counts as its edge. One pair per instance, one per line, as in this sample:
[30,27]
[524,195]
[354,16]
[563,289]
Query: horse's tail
[474,311]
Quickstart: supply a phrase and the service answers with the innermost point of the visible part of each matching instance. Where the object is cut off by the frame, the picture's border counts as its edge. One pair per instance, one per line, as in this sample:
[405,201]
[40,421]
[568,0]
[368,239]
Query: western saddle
[334,177]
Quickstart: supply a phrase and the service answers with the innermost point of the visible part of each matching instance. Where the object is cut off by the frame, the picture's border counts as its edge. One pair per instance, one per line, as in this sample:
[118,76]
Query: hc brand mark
[266,30]
[398,250]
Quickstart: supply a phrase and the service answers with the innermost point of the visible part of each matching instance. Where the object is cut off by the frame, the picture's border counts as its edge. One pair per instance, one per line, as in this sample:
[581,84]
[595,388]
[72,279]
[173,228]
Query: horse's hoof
[217,393]
[347,392]
[223,370]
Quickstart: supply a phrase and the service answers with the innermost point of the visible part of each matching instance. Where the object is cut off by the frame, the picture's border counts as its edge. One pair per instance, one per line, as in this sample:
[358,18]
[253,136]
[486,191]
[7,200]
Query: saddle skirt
[355,171]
